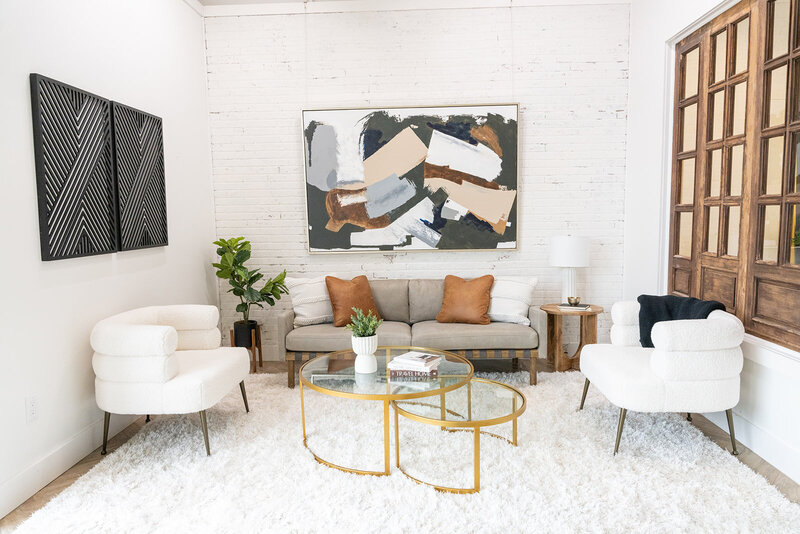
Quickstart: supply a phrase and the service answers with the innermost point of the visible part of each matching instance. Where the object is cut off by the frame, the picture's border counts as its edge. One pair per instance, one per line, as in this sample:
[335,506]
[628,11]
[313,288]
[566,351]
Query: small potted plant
[365,340]
[233,254]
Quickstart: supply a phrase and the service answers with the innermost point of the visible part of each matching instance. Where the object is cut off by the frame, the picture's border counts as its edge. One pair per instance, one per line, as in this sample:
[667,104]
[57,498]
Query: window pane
[774,158]
[736,166]
[794,234]
[714,173]
[742,38]
[796,162]
[685,234]
[739,108]
[717,111]
[772,223]
[691,69]
[734,214]
[796,88]
[720,49]
[689,128]
[686,195]
[776,99]
[778,28]
[712,230]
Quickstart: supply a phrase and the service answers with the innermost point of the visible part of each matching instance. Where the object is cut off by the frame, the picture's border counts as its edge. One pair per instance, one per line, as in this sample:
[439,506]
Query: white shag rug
[562,477]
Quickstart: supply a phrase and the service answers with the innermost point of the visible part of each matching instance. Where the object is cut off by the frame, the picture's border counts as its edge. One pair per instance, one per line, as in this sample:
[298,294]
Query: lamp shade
[569,251]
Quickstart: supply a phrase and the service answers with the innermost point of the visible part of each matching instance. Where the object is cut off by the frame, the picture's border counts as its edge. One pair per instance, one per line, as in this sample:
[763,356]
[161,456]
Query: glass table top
[481,403]
[334,374]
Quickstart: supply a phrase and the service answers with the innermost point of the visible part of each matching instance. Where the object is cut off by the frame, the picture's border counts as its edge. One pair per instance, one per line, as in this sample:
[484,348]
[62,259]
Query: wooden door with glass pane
[774,309]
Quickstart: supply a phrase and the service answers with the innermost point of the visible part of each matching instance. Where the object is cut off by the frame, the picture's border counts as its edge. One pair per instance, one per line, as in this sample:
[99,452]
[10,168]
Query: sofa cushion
[348,294]
[466,301]
[424,299]
[391,298]
[328,338]
[310,300]
[512,297]
[459,336]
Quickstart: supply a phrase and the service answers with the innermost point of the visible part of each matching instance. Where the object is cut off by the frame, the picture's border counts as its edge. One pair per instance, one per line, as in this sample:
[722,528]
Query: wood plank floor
[7,524]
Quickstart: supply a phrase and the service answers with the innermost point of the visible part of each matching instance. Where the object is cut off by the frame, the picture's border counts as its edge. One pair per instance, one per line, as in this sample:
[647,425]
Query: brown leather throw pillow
[348,294]
[466,301]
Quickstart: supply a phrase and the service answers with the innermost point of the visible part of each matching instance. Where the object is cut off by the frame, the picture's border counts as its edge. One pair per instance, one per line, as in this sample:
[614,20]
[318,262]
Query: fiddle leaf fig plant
[363,324]
[233,254]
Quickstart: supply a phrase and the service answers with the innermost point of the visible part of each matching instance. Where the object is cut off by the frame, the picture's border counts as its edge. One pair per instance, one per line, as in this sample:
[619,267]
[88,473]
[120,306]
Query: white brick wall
[567,66]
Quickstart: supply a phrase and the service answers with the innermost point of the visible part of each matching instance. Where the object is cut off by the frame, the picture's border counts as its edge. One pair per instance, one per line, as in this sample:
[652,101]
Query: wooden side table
[555,351]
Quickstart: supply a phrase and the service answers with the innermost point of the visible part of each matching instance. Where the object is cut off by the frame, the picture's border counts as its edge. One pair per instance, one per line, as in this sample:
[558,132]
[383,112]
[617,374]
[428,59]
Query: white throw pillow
[511,298]
[310,300]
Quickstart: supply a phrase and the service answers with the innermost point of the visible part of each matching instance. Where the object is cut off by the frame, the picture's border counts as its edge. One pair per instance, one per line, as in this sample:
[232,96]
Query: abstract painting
[405,179]
[139,166]
[74,174]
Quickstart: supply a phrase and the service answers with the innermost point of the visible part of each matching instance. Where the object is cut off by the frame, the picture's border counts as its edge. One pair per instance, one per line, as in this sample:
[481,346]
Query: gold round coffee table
[488,403]
[333,374]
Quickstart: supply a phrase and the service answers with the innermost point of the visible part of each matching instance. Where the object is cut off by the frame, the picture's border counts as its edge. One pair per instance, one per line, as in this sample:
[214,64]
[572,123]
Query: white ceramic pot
[365,348]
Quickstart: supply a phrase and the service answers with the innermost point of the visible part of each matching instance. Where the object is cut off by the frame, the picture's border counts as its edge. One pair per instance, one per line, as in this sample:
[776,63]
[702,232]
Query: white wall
[565,65]
[767,414]
[148,54]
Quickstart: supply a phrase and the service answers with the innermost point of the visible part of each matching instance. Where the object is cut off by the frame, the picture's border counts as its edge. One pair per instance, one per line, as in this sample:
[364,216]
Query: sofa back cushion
[391,298]
[466,301]
[310,300]
[424,299]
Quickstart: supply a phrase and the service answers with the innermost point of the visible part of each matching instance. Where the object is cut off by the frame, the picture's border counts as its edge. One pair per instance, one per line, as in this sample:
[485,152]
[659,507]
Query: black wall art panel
[74,170]
[139,165]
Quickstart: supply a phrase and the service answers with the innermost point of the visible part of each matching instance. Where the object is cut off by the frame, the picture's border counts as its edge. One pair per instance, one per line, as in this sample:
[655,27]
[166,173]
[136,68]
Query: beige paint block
[491,205]
[404,152]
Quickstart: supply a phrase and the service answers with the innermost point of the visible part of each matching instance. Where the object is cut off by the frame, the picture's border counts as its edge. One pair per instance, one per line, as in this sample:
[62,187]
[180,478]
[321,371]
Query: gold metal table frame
[386,398]
[460,426]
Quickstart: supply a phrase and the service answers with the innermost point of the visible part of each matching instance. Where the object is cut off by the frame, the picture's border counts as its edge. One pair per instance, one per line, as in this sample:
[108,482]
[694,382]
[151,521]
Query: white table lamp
[569,252]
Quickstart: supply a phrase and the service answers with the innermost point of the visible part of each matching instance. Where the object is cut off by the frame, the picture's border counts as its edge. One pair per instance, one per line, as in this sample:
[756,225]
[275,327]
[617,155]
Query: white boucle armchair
[694,366]
[164,360]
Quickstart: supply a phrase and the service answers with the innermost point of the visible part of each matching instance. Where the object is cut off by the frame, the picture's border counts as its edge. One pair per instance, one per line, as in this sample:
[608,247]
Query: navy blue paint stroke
[371,142]
[459,130]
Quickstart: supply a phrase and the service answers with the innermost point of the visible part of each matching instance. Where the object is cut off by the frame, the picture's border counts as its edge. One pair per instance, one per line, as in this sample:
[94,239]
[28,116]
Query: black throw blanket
[654,309]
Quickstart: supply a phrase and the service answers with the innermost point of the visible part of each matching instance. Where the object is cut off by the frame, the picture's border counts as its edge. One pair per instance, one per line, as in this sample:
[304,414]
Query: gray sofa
[408,309]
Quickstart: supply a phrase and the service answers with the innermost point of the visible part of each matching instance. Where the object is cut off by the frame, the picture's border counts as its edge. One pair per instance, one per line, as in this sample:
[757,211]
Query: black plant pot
[242,336]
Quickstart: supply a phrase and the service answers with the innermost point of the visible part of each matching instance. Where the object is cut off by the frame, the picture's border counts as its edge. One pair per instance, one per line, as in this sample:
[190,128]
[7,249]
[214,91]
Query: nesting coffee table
[453,401]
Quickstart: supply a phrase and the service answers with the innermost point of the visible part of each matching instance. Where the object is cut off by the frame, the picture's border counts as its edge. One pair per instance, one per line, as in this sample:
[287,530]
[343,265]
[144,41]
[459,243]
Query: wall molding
[21,486]
[343,6]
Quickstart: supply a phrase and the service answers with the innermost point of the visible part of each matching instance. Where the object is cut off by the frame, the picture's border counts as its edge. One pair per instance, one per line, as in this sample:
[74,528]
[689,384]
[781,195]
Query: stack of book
[414,366]
[577,307]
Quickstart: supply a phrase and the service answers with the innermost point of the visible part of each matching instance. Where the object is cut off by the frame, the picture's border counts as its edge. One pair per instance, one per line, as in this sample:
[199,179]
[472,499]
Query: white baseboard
[771,448]
[20,487]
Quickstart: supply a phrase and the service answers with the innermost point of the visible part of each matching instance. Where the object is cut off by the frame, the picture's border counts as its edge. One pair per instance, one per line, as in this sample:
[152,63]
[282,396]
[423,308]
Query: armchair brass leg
[204,424]
[106,419]
[622,413]
[585,390]
[729,414]
[244,396]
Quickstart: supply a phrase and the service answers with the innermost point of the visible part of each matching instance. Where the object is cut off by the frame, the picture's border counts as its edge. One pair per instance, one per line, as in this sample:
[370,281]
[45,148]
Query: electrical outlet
[31,409]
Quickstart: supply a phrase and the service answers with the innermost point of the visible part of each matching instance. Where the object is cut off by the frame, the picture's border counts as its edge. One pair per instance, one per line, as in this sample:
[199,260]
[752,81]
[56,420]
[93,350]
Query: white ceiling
[241,2]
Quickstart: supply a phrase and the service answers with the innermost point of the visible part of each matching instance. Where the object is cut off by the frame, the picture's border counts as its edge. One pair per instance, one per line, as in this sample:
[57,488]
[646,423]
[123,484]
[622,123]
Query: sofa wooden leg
[729,414]
[585,390]
[688,416]
[244,396]
[147,419]
[622,413]
[290,373]
[533,374]
[106,419]
[204,424]
[515,364]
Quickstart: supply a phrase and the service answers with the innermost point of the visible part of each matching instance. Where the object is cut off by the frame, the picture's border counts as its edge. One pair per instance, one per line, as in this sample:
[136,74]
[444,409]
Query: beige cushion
[310,300]
[424,299]
[391,298]
[327,338]
[459,336]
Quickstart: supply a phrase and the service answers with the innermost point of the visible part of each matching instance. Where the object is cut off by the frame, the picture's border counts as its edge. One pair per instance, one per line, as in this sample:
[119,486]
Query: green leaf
[238,291]
[269,300]
[227,259]
[242,307]
[252,295]
[242,256]
[223,274]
